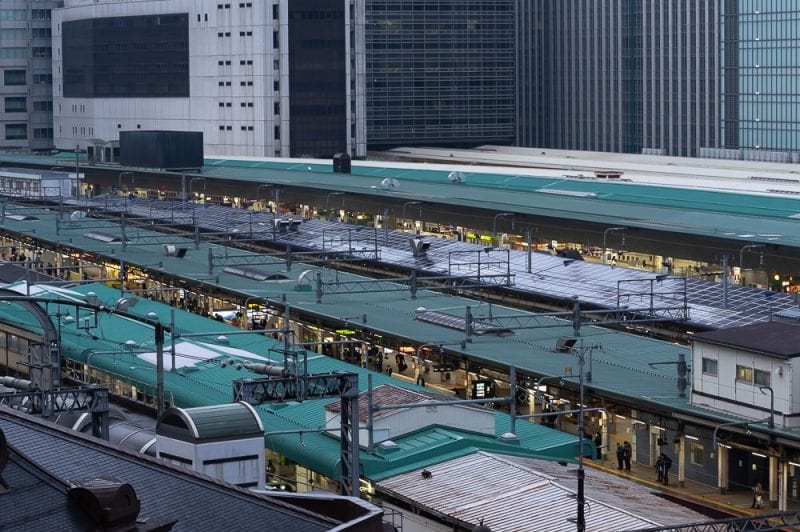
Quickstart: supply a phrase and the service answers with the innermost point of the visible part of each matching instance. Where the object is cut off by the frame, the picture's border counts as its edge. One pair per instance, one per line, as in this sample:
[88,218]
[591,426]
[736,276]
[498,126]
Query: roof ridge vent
[110,502]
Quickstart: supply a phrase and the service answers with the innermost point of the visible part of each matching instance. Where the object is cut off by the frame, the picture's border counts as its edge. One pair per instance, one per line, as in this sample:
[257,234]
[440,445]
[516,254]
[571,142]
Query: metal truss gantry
[314,386]
[763,522]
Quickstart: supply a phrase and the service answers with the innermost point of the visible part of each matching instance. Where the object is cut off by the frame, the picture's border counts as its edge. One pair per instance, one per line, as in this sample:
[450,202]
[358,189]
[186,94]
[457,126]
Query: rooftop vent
[456,177]
[103,237]
[565,344]
[252,273]
[110,502]
[459,323]
[418,246]
[171,250]
[283,224]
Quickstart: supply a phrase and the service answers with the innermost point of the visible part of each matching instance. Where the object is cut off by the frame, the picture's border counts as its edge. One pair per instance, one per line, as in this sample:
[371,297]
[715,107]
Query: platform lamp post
[78,150]
[403,213]
[501,215]
[605,237]
[741,257]
[771,422]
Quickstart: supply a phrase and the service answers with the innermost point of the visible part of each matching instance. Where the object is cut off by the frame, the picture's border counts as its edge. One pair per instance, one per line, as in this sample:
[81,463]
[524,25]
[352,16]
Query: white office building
[256,78]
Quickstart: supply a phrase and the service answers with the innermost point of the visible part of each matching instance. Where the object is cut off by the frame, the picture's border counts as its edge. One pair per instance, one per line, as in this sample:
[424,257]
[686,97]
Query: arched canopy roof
[230,421]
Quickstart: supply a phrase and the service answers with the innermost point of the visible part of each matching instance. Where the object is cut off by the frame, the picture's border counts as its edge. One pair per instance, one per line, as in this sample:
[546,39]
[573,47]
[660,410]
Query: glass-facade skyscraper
[440,73]
[620,75]
[762,78]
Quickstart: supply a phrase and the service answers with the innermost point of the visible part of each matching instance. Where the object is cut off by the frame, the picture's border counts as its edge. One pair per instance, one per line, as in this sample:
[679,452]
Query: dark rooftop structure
[41,490]
[775,338]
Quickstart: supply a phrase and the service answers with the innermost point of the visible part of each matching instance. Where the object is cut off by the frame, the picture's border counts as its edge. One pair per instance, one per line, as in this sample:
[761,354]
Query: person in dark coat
[660,467]
[598,442]
[620,457]
[627,452]
[667,461]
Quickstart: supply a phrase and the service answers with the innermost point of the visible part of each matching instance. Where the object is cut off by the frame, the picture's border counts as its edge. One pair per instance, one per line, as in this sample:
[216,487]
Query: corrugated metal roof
[619,492]
[507,496]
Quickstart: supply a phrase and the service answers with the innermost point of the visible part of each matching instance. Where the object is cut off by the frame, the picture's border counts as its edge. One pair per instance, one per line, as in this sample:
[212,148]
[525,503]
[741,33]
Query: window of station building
[761,377]
[744,374]
[42,51]
[710,366]
[16,131]
[44,132]
[16,104]
[15,77]
[697,454]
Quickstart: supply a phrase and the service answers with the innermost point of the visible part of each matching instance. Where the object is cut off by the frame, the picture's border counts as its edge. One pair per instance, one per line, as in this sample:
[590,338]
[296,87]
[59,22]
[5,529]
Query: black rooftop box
[170,150]
[341,163]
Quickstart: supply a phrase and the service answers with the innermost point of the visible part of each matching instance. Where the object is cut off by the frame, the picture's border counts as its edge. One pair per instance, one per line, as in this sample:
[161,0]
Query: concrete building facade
[25,59]
[281,79]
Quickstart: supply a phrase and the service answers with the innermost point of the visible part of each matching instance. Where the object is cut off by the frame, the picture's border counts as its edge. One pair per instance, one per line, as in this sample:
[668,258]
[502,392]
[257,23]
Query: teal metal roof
[206,383]
[737,216]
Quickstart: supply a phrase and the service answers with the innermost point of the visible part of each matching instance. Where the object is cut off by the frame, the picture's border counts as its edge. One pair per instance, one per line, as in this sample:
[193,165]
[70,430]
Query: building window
[43,133]
[16,131]
[710,366]
[761,378]
[15,14]
[14,77]
[40,14]
[42,51]
[41,33]
[43,105]
[744,374]
[696,454]
[16,104]
[42,79]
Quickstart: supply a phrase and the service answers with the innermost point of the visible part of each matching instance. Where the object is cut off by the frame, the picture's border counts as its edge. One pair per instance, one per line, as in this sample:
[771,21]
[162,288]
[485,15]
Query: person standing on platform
[667,463]
[660,467]
[620,457]
[758,495]
[598,442]
[627,451]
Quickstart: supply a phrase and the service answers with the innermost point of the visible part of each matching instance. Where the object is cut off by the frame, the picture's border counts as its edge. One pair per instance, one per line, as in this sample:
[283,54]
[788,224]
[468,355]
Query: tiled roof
[776,338]
[165,492]
[385,395]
